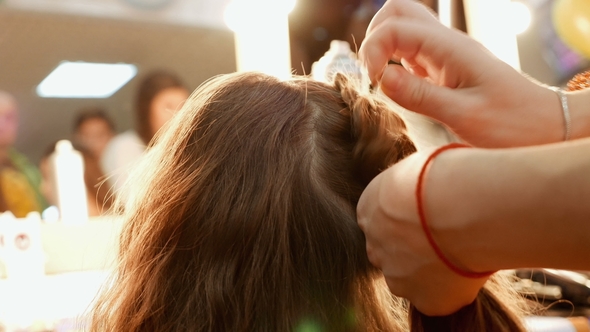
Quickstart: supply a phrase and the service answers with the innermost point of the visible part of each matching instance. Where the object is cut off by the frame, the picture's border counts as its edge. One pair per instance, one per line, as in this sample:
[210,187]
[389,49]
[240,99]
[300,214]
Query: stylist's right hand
[450,77]
[396,243]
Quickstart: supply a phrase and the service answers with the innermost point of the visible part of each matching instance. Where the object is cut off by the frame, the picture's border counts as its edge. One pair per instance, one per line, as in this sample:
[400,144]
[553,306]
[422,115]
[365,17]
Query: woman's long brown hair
[242,216]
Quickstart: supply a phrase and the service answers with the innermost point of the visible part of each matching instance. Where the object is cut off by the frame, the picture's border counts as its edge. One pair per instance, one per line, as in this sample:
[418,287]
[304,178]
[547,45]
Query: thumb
[415,93]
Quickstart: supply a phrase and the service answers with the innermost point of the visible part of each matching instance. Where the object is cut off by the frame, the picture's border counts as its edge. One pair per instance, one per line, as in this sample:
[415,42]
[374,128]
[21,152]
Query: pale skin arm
[488,210]
[514,208]
[452,78]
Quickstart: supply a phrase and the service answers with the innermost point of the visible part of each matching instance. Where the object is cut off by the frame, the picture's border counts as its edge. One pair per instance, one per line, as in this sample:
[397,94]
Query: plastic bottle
[339,58]
[67,167]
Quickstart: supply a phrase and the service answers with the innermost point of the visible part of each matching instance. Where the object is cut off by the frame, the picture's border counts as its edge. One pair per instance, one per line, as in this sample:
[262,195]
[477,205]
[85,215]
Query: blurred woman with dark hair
[93,129]
[159,96]
[243,218]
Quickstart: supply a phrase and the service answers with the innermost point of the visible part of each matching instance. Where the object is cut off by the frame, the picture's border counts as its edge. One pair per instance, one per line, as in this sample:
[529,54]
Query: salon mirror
[184,36]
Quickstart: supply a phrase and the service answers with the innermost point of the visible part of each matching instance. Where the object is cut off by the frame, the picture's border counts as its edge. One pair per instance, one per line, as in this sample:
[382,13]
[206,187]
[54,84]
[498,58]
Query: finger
[414,69]
[417,94]
[424,299]
[402,8]
[404,39]
[373,256]
[441,304]
[366,206]
[398,287]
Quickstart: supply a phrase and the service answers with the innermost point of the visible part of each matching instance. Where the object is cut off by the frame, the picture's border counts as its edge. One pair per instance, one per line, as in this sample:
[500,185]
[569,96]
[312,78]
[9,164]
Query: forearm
[510,208]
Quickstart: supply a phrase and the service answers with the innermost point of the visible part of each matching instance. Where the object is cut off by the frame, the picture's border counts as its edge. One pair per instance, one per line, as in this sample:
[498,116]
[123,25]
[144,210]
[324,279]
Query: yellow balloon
[571,19]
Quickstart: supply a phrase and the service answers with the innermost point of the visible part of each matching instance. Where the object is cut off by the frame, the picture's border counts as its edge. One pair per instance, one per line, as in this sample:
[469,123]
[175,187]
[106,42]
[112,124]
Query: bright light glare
[444,12]
[51,214]
[240,14]
[86,80]
[289,5]
[520,16]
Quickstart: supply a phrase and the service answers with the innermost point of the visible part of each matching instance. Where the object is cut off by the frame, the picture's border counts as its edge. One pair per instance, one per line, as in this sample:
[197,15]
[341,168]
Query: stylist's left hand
[396,243]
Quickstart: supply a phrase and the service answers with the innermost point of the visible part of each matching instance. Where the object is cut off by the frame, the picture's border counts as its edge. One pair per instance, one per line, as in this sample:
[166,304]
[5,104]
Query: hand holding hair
[396,243]
[450,77]
[486,210]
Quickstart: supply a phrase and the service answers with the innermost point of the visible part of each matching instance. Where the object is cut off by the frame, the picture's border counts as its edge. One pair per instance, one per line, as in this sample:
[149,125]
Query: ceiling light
[244,14]
[521,17]
[86,80]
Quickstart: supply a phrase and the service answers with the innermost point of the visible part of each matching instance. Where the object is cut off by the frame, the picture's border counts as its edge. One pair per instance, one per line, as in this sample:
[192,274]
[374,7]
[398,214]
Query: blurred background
[190,37]
[187,37]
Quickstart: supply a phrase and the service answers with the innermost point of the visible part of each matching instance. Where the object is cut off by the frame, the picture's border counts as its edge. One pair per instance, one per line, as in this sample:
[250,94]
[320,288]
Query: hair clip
[579,82]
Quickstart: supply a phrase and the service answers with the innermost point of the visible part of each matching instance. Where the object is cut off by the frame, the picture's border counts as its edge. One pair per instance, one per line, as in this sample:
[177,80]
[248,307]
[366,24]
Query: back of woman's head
[245,217]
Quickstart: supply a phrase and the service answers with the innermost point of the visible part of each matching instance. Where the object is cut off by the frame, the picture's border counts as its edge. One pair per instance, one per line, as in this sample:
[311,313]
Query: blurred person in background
[19,179]
[93,129]
[159,96]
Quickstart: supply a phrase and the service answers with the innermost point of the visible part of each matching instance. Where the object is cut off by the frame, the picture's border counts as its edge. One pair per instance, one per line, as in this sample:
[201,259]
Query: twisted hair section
[380,133]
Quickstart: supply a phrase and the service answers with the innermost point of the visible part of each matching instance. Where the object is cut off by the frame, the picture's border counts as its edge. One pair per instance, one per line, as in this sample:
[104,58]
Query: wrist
[527,113]
[449,211]
[424,220]
[575,116]
[510,208]
[578,102]
[472,215]
[546,115]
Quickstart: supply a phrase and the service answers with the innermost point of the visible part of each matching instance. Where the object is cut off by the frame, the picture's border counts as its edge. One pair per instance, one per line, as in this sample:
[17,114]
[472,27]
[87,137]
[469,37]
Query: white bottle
[67,167]
[339,58]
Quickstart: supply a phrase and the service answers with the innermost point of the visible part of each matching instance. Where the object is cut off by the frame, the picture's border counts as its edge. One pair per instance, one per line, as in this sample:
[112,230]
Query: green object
[30,171]
[308,325]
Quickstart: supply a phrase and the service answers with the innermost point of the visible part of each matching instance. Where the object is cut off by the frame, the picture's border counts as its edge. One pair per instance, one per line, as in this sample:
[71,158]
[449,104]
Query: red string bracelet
[424,224]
